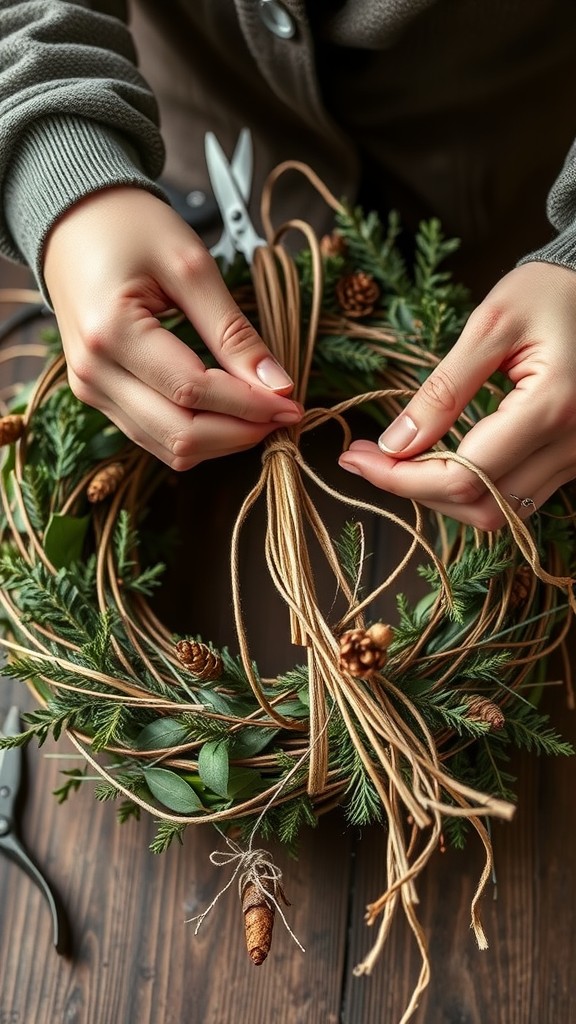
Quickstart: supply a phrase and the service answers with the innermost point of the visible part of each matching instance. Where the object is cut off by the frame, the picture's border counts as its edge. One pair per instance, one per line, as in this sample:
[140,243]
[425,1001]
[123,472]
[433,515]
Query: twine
[413,800]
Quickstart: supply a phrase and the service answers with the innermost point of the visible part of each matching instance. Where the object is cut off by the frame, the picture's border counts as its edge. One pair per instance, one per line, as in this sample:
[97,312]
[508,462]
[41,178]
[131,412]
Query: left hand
[526,328]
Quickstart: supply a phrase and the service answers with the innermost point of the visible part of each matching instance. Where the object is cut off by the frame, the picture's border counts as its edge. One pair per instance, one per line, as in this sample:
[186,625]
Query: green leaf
[161,734]
[172,790]
[214,766]
[243,780]
[64,539]
[251,741]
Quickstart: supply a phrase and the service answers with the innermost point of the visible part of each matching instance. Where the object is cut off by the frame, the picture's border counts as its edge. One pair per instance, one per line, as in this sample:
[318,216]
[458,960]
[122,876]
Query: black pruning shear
[10,778]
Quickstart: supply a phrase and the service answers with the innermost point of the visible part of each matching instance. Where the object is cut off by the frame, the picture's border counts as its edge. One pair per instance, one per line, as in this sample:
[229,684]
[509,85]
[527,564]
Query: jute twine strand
[377,714]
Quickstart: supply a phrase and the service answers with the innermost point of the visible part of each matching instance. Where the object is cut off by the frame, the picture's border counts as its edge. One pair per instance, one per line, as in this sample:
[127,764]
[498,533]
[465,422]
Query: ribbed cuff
[56,163]
[561,250]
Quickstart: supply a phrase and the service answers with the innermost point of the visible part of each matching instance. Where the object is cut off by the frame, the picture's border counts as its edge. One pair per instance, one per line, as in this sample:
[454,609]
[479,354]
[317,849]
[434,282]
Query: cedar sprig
[529,730]
[352,356]
[361,800]
[372,247]
[350,547]
[107,722]
[75,778]
[166,833]
[126,541]
[53,600]
[36,487]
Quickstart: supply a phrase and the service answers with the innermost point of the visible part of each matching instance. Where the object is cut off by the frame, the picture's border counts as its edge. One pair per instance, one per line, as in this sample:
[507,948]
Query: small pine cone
[105,482]
[364,651]
[333,245]
[199,659]
[11,429]
[481,709]
[357,294]
[521,585]
[259,912]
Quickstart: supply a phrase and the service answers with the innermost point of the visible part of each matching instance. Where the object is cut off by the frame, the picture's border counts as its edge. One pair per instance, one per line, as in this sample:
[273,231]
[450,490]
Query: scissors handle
[12,847]
[10,780]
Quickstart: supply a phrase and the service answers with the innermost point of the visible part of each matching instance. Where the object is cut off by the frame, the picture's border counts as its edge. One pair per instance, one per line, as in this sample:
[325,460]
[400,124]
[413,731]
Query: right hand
[113,264]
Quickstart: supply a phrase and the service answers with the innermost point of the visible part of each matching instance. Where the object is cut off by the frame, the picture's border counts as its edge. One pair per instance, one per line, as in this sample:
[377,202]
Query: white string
[255,866]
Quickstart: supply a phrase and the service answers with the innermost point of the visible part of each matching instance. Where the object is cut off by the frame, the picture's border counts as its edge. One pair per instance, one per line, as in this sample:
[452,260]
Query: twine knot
[280,444]
[254,867]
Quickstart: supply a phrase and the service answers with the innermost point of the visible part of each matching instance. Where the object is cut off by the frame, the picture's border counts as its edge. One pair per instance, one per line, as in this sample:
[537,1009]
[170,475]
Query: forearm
[561,250]
[75,115]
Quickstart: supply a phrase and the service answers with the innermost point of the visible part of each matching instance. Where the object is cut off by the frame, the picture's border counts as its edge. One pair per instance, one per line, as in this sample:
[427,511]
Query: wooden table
[135,960]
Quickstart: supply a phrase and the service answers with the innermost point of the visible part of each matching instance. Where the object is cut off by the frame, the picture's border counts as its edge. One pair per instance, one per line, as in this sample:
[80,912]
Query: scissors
[231,184]
[10,777]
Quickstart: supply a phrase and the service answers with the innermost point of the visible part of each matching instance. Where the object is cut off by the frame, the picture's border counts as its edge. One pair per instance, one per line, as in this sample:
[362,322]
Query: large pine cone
[199,659]
[481,709]
[333,245]
[364,651]
[105,482]
[357,294]
[11,429]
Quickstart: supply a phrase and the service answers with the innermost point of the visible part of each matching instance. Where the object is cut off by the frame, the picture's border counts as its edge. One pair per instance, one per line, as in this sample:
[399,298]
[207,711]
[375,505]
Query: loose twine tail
[369,711]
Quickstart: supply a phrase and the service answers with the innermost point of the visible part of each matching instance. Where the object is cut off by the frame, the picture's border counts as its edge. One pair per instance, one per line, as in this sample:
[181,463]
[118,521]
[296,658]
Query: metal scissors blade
[10,845]
[231,187]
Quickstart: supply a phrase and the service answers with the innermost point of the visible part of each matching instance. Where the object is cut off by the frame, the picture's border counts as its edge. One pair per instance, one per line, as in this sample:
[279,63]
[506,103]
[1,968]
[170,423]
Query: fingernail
[349,467]
[290,416]
[272,375]
[398,435]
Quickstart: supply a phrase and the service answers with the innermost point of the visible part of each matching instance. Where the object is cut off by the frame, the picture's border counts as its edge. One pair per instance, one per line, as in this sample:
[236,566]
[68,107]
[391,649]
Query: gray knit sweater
[415,88]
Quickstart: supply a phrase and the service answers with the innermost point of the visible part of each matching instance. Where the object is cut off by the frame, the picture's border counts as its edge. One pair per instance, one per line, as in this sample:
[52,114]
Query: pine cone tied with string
[259,912]
[364,651]
[11,429]
[357,294]
[481,709]
[199,659]
[105,482]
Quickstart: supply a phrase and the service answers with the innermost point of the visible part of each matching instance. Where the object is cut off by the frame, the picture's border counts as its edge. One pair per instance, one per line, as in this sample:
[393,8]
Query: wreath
[406,722]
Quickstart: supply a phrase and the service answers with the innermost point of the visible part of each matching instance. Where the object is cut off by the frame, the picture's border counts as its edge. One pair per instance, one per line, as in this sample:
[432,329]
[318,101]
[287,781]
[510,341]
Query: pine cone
[11,429]
[199,659]
[481,709]
[364,651]
[357,294]
[259,912]
[105,482]
[333,245]
[521,586]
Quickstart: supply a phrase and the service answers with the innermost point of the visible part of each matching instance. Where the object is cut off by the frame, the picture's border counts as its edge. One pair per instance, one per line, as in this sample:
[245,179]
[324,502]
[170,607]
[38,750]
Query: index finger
[195,283]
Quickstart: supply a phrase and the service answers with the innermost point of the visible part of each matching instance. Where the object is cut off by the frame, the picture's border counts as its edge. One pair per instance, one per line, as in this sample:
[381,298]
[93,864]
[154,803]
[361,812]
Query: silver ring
[525,502]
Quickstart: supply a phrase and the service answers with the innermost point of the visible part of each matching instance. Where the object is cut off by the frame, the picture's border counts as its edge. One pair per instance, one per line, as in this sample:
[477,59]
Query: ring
[524,502]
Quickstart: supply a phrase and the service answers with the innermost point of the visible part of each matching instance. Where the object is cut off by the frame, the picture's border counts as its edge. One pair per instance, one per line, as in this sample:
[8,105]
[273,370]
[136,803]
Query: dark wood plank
[136,960]
[526,975]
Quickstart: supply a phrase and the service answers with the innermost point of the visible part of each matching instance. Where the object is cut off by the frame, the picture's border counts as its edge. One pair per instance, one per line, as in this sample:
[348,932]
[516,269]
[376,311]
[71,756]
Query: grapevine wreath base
[403,723]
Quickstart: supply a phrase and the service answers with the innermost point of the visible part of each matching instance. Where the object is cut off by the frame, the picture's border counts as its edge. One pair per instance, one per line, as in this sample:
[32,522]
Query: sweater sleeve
[562,215]
[75,115]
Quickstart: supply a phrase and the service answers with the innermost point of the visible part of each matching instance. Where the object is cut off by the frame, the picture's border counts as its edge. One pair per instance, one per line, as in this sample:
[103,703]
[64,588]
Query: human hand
[113,264]
[526,328]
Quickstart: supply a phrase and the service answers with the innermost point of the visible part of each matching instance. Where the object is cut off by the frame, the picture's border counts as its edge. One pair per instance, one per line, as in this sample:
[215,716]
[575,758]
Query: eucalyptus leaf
[64,539]
[172,790]
[214,766]
[162,734]
[243,780]
[251,741]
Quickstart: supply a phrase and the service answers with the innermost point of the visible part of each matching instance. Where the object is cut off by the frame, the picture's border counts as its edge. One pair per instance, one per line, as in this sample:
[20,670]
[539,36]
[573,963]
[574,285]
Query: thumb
[442,397]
